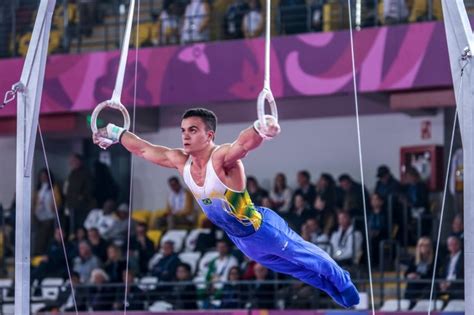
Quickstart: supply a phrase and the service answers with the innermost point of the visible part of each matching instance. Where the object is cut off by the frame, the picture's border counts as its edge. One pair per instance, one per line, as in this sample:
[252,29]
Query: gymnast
[216,177]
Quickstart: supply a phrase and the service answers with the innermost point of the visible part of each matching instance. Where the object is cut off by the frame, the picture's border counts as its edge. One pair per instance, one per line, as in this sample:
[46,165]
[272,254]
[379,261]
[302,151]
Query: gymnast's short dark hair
[207,116]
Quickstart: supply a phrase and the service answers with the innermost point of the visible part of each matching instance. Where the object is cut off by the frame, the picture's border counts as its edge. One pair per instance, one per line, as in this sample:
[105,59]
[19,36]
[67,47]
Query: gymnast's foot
[350,296]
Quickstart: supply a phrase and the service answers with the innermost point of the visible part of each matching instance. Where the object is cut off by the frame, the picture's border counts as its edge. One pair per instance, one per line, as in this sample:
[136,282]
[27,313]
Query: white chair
[190,258]
[176,236]
[364,302]
[191,239]
[455,306]
[160,306]
[35,307]
[423,306]
[392,305]
[50,288]
[5,286]
[148,283]
[8,309]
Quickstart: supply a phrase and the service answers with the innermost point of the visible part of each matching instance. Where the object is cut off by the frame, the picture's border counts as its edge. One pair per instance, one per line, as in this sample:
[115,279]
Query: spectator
[247,268]
[324,214]
[299,213]
[233,290]
[457,227]
[105,186]
[378,226]
[184,296]
[252,24]
[179,208]
[168,23]
[97,243]
[219,267]
[52,264]
[78,192]
[165,268]
[102,219]
[326,186]
[45,202]
[135,296]
[452,270]
[118,232]
[312,232]
[386,184]
[394,11]
[421,268]
[101,295]
[196,22]
[256,192]
[115,265]
[261,295]
[305,188]
[293,16]
[79,236]
[233,19]
[141,248]
[85,262]
[346,241]
[281,195]
[352,196]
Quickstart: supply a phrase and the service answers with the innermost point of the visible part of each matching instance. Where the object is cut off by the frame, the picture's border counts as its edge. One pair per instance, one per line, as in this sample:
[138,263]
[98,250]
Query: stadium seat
[154,236]
[148,283]
[177,237]
[423,305]
[141,215]
[50,288]
[8,309]
[392,305]
[160,306]
[455,306]
[35,307]
[418,11]
[5,286]
[190,243]
[190,258]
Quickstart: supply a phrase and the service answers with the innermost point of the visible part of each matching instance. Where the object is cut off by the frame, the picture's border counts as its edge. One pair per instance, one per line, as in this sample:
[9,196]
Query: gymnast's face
[195,135]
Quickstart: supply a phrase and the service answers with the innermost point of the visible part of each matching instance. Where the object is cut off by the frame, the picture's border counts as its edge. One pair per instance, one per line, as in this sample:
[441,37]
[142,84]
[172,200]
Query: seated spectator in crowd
[168,23]
[305,188]
[196,22]
[352,196]
[165,268]
[101,296]
[452,270]
[233,19]
[326,186]
[386,184]
[85,262]
[44,204]
[179,208]
[293,16]
[252,24]
[267,203]
[325,214]
[233,291]
[135,295]
[52,264]
[457,227]
[141,248]
[183,297]
[261,295]
[97,243]
[312,232]
[218,269]
[102,219]
[79,235]
[299,213]
[421,268]
[247,267]
[256,192]
[378,226]
[119,232]
[281,195]
[114,265]
[346,241]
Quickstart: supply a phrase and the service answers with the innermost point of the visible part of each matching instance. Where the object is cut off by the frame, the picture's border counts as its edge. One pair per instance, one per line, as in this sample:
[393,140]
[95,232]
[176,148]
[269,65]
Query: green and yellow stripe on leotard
[243,208]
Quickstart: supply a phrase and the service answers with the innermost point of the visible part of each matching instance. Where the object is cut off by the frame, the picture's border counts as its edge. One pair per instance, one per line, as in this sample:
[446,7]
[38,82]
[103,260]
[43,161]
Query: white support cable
[266,82]
[123,56]
[58,219]
[130,197]
[445,189]
[360,159]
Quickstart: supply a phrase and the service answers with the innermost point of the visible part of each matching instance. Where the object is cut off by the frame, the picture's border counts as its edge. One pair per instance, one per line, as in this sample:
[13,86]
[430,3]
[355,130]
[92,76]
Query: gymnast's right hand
[105,137]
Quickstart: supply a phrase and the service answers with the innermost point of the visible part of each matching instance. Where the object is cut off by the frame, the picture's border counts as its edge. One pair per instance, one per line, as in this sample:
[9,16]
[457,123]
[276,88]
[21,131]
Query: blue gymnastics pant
[276,246]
